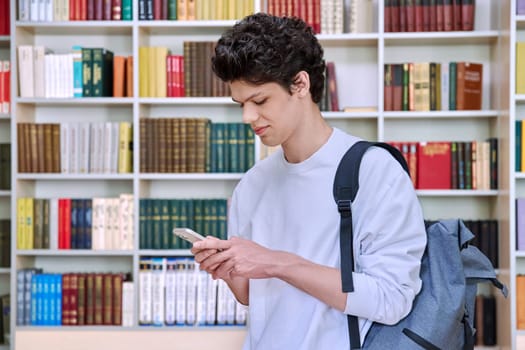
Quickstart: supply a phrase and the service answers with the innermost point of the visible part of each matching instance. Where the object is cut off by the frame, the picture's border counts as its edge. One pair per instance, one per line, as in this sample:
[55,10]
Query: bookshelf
[360,55]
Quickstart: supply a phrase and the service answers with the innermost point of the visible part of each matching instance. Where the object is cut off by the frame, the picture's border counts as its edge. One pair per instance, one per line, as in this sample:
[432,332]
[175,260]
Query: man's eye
[258,103]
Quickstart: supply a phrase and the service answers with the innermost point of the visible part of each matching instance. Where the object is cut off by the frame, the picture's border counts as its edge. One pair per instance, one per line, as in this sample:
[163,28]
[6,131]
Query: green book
[127,10]
[143,202]
[452,71]
[172,10]
[87,75]
[165,224]
[157,230]
[233,147]
[198,215]
[175,205]
[102,74]
[518,131]
[250,146]
[222,219]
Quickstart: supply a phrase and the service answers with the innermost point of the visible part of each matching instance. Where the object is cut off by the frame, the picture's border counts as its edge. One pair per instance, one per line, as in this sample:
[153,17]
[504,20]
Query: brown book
[66,290]
[478,314]
[48,147]
[182,145]
[162,141]
[22,151]
[99,10]
[73,299]
[142,144]
[191,139]
[410,15]
[469,83]
[388,88]
[90,299]
[99,299]
[55,146]
[388,16]
[40,147]
[116,10]
[457,14]
[433,15]
[107,301]
[119,76]
[117,298]
[129,76]
[81,308]
[200,144]
[397,87]
[440,20]
[177,147]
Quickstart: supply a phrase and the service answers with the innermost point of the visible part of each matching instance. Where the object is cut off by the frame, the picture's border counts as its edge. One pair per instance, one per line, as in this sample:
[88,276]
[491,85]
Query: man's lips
[259,130]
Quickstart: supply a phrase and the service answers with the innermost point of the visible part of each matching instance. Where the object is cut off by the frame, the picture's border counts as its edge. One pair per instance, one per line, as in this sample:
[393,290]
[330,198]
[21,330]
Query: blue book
[77,71]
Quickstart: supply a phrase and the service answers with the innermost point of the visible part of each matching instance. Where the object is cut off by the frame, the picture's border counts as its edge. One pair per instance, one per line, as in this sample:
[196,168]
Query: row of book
[5,86]
[5,242]
[486,237]
[5,21]
[195,145]
[191,10]
[73,299]
[158,217]
[5,166]
[5,318]
[74,10]
[431,86]
[328,16]
[75,223]
[429,16]
[75,148]
[85,72]
[163,74]
[173,291]
[463,165]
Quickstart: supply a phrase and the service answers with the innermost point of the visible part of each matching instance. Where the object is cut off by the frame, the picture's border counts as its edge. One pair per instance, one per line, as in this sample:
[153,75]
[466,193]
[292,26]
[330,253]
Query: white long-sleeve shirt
[290,207]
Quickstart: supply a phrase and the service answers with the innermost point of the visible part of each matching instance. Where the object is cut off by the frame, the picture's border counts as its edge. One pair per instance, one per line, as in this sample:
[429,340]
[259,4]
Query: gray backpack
[442,315]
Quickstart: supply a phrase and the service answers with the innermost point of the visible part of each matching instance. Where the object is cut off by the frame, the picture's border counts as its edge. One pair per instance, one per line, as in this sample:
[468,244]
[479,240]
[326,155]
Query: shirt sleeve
[389,241]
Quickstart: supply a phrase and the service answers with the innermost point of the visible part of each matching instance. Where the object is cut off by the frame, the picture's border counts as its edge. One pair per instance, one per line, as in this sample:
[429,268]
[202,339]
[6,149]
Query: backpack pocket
[416,338]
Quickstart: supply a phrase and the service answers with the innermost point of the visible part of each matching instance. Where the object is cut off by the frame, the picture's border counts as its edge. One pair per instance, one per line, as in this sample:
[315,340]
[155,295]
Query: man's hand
[236,257]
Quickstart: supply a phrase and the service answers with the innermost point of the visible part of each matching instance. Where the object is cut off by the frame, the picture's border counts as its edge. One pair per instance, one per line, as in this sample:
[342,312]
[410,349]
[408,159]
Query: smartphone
[187,234]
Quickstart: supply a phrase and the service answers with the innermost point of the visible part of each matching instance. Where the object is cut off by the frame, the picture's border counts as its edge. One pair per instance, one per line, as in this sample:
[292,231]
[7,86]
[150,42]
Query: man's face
[270,110]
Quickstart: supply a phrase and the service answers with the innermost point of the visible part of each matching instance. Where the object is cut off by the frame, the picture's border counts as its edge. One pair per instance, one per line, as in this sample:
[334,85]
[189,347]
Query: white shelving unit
[359,58]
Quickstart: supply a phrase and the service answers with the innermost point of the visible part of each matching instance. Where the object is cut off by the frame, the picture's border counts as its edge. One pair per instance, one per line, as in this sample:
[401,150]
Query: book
[469,85]
[433,165]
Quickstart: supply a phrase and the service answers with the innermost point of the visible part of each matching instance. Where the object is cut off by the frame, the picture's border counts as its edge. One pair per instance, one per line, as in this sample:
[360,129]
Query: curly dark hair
[262,48]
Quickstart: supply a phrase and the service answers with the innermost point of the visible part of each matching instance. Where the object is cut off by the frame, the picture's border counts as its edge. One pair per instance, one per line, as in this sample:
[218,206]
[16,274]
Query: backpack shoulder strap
[346,185]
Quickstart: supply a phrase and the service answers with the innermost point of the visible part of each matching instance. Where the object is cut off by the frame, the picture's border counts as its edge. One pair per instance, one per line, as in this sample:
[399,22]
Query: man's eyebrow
[248,98]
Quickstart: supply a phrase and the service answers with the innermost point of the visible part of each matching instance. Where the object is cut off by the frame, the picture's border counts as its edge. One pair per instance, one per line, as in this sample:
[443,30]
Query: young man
[282,258]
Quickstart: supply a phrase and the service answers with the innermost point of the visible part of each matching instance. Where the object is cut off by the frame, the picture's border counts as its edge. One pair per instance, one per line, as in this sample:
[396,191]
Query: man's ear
[301,84]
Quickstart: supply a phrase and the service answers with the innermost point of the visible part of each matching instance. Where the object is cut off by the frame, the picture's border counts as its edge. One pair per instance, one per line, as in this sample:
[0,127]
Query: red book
[317,16]
[410,15]
[90,10]
[388,16]
[467,14]
[419,16]
[448,15]
[433,165]
[169,76]
[426,15]
[82,10]
[157,10]
[66,222]
[440,20]
[116,10]
[397,90]
[457,14]
[99,10]
[182,84]
[412,162]
[433,16]
[396,15]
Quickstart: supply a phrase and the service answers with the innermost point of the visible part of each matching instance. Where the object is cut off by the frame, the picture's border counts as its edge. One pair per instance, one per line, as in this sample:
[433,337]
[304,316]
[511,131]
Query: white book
[202,296]
[180,292]
[33,11]
[69,80]
[57,10]
[170,279]
[145,292]
[157,294]
[39,53]
[241,313]
[108,225]
[48,16]
[65,10]
[93,141]
[115,131]
[48,75]
[100,147]
[84,148]
[361,16]
[114,222]
[126,221]
[108,147]
[222,302]
[53,223]
[65,136]
[25,70]
[97,223]
[338,16]
[191,296]
[444,86]
[128,302]
[41,10]
[230,306]
[211,307]
[23,10]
